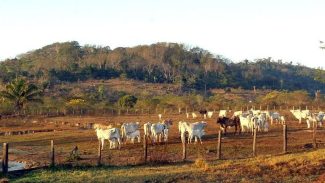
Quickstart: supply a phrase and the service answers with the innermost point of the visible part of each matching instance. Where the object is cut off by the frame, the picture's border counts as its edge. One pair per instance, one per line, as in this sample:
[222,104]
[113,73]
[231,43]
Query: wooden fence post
[5,148]
[184,146]
[99,155]
[314,134]
[219,145]
[285,139]
[52,155]
[145,148]
[254,142]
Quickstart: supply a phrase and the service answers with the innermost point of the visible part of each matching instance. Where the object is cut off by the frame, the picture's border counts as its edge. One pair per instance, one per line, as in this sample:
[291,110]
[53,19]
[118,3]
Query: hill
[187,68]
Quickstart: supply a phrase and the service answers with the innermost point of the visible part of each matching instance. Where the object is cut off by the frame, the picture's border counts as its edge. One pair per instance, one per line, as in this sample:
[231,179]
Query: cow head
[221,120]
[168,122]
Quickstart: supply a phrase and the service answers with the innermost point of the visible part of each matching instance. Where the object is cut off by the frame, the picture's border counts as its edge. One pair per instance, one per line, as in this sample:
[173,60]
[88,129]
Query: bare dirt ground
[68,132]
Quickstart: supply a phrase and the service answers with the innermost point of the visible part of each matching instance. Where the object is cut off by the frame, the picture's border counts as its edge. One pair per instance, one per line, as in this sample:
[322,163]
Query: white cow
[260,123]
[245,123]
[196,130]
[274,116]
[183,127]
[222,113]
[237,113]
[147,129]
[316,117]
[110,134]
[159,130]
[310,120]
[283,120]
[210,113]
[194,116]
[254,112]
[300,114]
[130,131]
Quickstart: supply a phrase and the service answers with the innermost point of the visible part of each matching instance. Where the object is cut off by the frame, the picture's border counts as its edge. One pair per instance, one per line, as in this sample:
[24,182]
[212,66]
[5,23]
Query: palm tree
[21,92]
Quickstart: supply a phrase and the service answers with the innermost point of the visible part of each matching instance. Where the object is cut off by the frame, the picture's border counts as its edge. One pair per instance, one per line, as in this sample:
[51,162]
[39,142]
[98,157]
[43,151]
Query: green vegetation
[188,68]
[301,167]
[20,92]
[127,101]
[162,75]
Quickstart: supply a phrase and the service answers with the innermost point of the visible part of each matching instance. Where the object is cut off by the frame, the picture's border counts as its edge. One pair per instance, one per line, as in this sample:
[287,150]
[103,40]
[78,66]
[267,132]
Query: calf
[225,122]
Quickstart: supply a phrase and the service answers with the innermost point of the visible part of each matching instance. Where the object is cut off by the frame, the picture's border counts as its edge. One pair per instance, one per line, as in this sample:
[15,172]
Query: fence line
[5,148]
[51,112]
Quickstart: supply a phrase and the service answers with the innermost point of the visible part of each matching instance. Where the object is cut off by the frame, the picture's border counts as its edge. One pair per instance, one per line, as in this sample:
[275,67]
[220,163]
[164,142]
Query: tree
[21,92]
[127,101]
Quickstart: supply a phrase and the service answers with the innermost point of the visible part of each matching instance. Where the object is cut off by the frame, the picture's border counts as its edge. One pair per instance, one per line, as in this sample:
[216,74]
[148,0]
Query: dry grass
[300,167]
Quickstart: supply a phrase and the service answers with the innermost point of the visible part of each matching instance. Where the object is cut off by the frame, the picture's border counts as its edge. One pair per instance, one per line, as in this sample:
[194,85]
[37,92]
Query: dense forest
[188,68]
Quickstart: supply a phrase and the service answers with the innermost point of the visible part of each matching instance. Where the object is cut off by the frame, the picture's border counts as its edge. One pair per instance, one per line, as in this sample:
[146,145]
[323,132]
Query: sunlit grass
[300,167]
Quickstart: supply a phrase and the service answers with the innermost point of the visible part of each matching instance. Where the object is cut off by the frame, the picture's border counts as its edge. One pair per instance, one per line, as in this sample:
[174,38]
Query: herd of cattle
[245,121]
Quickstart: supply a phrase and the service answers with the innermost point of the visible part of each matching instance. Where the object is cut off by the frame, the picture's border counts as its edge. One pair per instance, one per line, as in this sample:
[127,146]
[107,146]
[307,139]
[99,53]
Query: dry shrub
[321,178]
[159,156]
[201,163]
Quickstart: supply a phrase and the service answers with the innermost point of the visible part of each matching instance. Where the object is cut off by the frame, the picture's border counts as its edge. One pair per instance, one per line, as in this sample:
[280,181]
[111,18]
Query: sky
[290,30]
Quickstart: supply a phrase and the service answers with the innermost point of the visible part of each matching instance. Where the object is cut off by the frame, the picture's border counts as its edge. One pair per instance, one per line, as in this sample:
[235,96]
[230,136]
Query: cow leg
[308,123]
[119,143]
[189,138]
[235,129]
[139,139]
[102,141]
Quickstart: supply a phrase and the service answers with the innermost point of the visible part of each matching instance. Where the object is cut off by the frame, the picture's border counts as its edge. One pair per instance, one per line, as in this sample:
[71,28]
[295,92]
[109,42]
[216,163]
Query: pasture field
[164,159]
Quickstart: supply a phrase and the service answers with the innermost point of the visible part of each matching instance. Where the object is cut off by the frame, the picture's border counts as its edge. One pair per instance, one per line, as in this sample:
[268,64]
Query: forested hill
[189,68]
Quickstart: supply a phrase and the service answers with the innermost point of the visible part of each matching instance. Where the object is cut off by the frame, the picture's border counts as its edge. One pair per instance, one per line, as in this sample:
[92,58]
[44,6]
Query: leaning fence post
[184,146]
[285,139]
[52,154]
[145,148]
[219,145]
[314,134]
[5,148]
[254,142]
[99,153]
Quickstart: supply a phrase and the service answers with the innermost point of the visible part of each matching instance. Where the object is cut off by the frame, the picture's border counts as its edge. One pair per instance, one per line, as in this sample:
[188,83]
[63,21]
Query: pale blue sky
[237,29]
